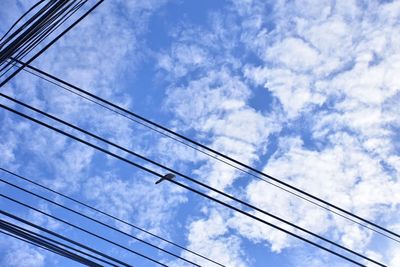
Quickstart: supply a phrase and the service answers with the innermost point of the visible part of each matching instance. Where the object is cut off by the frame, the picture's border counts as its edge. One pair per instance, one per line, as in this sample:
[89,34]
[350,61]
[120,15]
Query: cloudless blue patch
[177,13]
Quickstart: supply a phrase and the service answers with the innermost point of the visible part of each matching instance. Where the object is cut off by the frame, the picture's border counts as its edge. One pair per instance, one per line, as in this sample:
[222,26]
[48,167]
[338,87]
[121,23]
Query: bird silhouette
[168,176]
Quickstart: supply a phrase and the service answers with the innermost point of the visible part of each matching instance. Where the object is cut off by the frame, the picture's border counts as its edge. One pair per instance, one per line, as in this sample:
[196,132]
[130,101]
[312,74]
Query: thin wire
[34,32]
[6,53]
[47,12]
[188,178]
[49,3]
[83,230]
[110,216]
[57,249]
[52,42]
[215,152]
[97,221]
[20,18]
[63,237]
[57,243]
[29,242]
[48,28]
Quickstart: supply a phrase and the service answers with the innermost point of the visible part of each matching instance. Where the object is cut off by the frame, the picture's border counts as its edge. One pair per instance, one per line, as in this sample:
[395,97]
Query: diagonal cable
[110,216]
[206,186]
[217,155]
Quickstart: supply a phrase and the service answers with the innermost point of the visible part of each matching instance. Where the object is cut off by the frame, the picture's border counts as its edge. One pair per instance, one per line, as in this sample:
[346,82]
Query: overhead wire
[83,230]
[19,19]
[52,233]
[99,222]
[52,42]
[33,243]
[281,184]
[186,177]
[111,216]
[50,26]
[57,249]
[57,243]
[46,28]
[202,184]
[31,31]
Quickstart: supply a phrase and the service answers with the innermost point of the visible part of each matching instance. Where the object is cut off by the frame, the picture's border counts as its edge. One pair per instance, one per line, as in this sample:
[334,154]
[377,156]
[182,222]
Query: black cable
[45,29]
[8,50]
[43,17]
[49,27]
[51,42]
[51,240]
[195,181]
[29,242]
[188,178]
[19,19]
[26,241]
[98,221]
[63,238]
[29,21]
[110,216]
[57,249]
[195,143]
[83,230]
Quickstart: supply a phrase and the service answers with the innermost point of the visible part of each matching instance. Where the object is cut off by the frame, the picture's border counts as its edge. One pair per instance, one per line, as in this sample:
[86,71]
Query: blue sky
[307,91]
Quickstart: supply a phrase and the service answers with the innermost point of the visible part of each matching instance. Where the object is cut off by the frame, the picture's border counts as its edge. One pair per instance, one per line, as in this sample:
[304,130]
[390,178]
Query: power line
[43,16]
[208,187]
[111,216]
[50,26]
[52,247]
[52,42]
[41,32]
[19,19]
[83,230]
[57,243]
[102,102]
[14,217]
[98,222]
[34,244]
[189,178]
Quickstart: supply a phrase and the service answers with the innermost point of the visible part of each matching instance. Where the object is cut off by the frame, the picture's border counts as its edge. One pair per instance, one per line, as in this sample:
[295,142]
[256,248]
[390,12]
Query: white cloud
[137,200]
[210,236]
[22,255]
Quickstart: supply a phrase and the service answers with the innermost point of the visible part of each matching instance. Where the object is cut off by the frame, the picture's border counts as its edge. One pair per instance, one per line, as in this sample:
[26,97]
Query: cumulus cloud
[331,67]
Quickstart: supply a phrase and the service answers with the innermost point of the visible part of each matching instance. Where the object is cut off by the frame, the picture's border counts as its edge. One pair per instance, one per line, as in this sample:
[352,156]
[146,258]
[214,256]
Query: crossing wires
[198,192]
[216,155]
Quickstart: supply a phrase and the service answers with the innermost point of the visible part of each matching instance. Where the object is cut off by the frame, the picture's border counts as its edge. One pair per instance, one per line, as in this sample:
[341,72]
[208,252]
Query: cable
[56,249]
[41,29]
[52,42]
[110,216]
[195,181]
[188,178]
[7,52]
[30,242]
[63,238]
[49,27]
[57,243]
[97,221]
[20,18]
[83,230]
[49,3]
[24,240]
[106,102]
[45,29]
